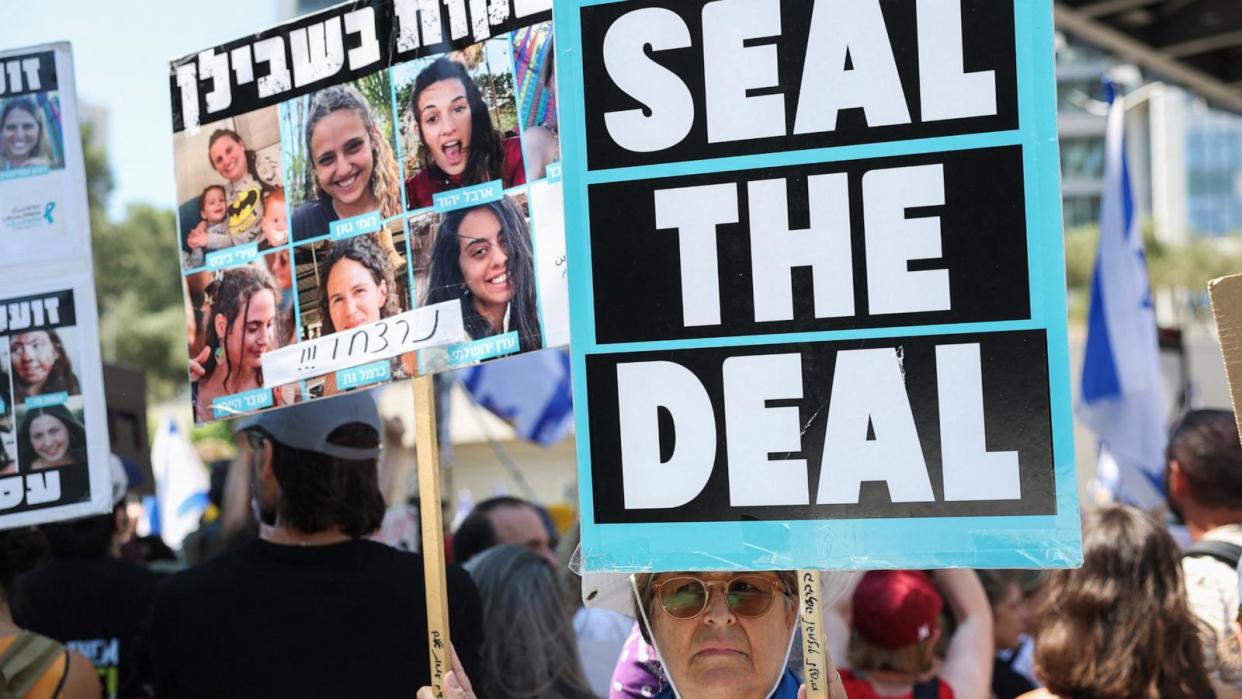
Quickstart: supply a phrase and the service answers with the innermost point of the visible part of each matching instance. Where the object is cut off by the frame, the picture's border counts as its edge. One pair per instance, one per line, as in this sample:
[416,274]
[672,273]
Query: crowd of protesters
[288,592]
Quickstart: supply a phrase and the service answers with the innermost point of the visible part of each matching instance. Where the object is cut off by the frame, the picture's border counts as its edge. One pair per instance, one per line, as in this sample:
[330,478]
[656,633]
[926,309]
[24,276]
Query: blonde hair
[385,177]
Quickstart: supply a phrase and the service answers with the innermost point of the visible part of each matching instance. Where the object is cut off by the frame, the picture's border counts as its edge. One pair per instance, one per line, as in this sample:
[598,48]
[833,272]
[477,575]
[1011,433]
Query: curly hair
[447,283]
[59,378]
[385,180]
[365,251]
[1120,627]
[487,154]
[77,435]
[230,296]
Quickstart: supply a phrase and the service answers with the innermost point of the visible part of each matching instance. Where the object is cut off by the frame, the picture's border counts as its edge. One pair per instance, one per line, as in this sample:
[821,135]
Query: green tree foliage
[141,313]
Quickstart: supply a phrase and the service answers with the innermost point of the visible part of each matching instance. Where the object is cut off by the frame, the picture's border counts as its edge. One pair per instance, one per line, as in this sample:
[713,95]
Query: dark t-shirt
[311,219]
[97,605]
[267,620]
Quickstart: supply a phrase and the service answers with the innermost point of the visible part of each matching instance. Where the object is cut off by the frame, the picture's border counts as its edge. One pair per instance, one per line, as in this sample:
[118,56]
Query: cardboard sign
[376,166]
[818,285]
[53,424]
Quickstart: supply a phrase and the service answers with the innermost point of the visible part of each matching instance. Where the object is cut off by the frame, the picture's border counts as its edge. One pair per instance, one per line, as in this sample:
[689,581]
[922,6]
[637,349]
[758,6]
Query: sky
[121,53]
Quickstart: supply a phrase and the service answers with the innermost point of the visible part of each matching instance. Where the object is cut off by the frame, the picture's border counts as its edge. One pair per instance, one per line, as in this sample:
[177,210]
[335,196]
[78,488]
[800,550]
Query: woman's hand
[198,236]
[196,365]
[456,684]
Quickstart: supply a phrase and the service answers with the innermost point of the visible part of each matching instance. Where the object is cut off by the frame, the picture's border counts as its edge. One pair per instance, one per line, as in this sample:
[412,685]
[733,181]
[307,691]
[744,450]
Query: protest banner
[817,283]
[53,424]
[377,187]
[1226,296]
[374,192]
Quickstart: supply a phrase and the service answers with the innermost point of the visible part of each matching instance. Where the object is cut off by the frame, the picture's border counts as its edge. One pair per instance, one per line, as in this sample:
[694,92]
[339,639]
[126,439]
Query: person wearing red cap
[894,629]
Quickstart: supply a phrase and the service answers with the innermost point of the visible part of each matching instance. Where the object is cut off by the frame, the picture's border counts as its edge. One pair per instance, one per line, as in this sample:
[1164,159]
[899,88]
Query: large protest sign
[818,284]
[366,194]
[53,425]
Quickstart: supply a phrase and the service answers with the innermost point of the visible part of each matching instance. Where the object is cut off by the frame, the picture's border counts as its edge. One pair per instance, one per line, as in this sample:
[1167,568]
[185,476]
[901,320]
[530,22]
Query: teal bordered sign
[817,284]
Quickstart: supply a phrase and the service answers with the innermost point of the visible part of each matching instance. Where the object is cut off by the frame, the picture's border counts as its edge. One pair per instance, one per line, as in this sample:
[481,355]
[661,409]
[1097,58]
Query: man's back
[271,620]
[97,605]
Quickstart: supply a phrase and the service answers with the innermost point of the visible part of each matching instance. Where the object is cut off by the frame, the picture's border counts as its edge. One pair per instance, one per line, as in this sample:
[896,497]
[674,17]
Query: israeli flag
[1122,394]
[531,391]
[181,482]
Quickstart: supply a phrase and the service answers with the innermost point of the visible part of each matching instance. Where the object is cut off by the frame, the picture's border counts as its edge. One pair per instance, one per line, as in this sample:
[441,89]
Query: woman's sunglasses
[686,597]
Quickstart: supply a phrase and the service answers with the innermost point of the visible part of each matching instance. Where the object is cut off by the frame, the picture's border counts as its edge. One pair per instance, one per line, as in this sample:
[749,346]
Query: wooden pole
[427,448]
[814,644]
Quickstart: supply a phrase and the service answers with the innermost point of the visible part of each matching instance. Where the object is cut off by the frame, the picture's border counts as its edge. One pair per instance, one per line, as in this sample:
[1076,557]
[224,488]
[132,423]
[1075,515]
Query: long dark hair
[59,378]
[365,251]
[230,296]
[385,182]
[77,435]
[537,657]
[447,283]
[1120,627]
[251,157]
[487,154]
[26,105]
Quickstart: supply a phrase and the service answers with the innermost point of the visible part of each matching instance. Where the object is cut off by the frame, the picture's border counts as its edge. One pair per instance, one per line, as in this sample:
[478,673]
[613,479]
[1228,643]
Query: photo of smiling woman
[25,140]
[50,437]
[351,164]
[482,255]
[241,326]
[458,145]
[41,364]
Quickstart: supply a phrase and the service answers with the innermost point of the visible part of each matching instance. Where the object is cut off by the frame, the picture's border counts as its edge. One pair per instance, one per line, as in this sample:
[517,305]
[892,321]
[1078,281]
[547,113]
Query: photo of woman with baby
[345,164]
[241,320]
[482,255]
[239,192]
[453,141]
[30,133]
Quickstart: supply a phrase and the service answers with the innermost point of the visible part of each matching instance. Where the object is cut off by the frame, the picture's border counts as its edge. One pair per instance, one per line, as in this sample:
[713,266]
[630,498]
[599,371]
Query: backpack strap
[1222,551]
[927,690]
[25,661]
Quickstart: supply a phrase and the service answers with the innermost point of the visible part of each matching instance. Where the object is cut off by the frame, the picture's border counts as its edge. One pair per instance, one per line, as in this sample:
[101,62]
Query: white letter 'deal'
[971,472]
[664,94]
[642,389]
[867,385]
[755,430]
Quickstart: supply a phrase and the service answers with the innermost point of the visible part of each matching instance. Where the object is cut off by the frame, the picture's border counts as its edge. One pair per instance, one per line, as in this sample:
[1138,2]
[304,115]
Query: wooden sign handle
[815,667]
[427,446]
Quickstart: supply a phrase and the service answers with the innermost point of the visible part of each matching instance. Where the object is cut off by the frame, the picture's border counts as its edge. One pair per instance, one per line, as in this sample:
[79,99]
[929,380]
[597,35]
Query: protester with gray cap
[312,608]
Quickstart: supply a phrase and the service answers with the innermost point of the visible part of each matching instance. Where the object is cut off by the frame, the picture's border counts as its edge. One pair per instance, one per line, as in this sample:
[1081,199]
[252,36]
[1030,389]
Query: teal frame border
[1046,541]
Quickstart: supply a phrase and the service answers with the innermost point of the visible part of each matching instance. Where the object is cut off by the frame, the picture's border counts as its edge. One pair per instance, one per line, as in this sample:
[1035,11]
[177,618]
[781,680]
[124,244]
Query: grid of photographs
[430,180]
[43,460]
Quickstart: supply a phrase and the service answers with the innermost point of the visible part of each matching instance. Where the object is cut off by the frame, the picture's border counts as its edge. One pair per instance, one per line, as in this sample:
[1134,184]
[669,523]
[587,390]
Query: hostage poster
[367,194]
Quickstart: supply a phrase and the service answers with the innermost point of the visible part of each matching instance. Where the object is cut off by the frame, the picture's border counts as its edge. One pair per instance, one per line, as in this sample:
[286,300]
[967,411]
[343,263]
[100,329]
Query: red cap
[895,609]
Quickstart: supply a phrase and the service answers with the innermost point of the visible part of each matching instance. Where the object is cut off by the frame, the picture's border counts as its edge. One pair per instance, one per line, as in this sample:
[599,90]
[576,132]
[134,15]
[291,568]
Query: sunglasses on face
[686,597]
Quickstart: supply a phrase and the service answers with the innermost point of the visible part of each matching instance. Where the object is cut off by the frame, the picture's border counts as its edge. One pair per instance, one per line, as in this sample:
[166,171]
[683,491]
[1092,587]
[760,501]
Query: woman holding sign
[353,165]
[50,437]
[458,146]
[41,365]
[241,326]
[482,255]
[21,131]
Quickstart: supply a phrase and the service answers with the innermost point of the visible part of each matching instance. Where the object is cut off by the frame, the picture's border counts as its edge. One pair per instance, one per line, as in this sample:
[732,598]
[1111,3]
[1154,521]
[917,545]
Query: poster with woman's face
[43,435]
[37,159]
[418,171]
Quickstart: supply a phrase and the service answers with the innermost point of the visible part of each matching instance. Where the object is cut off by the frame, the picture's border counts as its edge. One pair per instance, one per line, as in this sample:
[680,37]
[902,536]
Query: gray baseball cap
[307,425]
